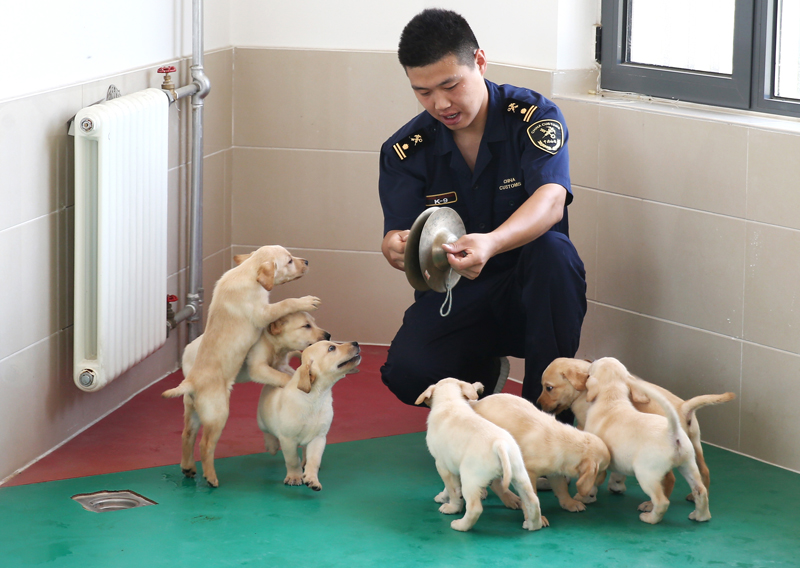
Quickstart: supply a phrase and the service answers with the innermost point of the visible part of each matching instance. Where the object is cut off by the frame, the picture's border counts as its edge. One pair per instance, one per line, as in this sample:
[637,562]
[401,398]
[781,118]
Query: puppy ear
[470,391]
[276,327]
[588,470]
[240,258]
[592,390]
[577,376]
[426,396]
[307,378]
[266,275]
[478,388]
[637,395]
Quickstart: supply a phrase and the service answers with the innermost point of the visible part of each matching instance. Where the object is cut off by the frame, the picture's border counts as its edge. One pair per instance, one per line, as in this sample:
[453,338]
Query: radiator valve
[171,323]
[168,85]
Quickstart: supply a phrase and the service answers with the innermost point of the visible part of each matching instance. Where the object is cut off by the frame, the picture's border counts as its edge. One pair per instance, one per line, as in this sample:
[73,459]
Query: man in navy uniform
[497,154]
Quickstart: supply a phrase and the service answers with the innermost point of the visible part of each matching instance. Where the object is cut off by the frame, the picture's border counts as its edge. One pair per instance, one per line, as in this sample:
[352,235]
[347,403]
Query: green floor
[377,509]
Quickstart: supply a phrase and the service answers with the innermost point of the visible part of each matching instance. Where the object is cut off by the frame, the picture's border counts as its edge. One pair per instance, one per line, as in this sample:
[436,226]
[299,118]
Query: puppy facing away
[237,315]
[641,444]
[564,386]
[549,448]
[267,361]
[470,452]
[300,414]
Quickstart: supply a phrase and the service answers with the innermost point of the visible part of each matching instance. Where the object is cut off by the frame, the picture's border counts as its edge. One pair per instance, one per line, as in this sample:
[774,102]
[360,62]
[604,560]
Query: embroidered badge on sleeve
[547,135]
[410,144]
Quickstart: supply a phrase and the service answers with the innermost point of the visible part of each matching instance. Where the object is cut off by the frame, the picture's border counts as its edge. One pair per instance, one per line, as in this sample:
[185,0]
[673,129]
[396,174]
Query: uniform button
[511,204]
[482,226]
[475,187]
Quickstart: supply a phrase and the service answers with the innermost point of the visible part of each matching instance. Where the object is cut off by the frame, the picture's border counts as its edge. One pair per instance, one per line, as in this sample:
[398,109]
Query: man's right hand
[394,248]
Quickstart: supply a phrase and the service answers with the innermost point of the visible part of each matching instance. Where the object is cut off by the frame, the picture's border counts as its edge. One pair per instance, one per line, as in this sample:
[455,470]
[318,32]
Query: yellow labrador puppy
[470,452]
[564,386]
[238,313]
[549,448]
[268,360]
[645,445]
[300,414]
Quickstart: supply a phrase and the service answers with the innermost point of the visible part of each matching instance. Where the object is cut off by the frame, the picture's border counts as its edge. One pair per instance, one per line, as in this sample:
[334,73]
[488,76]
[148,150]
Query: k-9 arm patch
[440,199]
[547,135]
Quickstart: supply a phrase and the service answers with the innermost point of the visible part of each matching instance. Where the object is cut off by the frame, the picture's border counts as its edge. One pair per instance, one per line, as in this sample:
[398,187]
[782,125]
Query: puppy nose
[327,336]
[306,262]
[354,343]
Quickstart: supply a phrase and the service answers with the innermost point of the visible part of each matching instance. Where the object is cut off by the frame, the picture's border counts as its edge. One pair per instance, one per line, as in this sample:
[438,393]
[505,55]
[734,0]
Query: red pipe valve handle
[167,85]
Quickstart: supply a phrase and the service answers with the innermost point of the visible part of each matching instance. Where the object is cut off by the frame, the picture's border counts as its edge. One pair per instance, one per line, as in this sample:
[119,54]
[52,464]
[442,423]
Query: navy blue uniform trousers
[533,310]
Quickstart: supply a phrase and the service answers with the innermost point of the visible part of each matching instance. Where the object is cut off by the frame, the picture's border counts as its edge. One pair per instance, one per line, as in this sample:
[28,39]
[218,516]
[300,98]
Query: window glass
[787,47]
[696,35]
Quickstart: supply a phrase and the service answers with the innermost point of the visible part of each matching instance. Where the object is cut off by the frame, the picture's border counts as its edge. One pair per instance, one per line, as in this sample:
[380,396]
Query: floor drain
[104,501]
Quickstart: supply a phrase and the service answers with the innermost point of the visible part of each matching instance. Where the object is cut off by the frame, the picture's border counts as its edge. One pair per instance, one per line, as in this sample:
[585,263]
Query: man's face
[454,94]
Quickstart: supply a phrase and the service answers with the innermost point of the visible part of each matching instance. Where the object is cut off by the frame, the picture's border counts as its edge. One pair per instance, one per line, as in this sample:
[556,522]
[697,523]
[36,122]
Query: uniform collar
[493,132]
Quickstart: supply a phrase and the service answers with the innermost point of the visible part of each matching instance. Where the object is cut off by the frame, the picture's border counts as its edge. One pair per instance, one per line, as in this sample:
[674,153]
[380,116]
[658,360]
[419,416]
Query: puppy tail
[689,407]
[182,389]
[672,415]
[500,449]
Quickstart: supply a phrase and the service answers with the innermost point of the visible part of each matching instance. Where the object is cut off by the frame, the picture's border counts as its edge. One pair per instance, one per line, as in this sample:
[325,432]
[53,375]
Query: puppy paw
[309,303]
[651,518]
[700,517]
[511,500]
[617,487]
[460,525]
[690,497]
[647,506]
[529,525]
[451,508]
[573,506]
[312,482]
[442,497]
[189,471]
[591,498]
[293,479]
[213,481]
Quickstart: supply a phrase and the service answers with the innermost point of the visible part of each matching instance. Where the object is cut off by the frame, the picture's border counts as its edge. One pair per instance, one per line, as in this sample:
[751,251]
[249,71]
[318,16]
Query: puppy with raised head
[470,452]
[238,313]
[267,361]
[564,386]
[300,414]
[549,448]
[645,445]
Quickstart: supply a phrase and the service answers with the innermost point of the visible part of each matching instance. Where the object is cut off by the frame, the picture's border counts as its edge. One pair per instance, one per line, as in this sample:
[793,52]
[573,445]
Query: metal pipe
[199,78]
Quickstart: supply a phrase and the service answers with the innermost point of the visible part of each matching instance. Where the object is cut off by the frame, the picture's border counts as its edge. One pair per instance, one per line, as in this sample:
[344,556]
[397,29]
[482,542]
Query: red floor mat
[146,432]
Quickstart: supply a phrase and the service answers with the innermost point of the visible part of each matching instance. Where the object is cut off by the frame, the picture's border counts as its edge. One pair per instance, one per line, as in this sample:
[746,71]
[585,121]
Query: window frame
[749,87]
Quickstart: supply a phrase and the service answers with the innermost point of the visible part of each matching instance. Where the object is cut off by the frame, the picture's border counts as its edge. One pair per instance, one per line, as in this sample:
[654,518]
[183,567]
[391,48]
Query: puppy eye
[548,388]
[332,348]
[307,326]
[291,260]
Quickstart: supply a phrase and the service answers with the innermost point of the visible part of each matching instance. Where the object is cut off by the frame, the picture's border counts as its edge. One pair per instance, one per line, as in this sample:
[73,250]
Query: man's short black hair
[433,34]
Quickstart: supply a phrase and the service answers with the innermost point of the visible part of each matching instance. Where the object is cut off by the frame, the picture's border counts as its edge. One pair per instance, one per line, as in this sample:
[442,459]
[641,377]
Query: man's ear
[266,275]
[240,258]
[307,378]
[426,396]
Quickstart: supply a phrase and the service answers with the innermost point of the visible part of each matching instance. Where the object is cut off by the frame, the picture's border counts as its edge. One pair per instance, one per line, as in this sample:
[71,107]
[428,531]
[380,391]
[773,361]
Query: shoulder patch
[522,110]
[410,144]
[547,135]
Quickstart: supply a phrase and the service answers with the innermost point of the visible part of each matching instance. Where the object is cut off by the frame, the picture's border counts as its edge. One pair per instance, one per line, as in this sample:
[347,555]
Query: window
[733,53]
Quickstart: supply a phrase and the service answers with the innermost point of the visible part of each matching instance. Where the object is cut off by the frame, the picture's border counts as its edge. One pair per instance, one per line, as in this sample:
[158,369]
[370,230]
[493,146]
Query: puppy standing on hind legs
[645,445]
[237,315]
[470,452]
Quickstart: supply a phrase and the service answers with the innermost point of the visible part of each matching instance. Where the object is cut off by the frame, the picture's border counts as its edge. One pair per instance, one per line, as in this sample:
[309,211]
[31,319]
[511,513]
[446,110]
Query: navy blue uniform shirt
[524,147]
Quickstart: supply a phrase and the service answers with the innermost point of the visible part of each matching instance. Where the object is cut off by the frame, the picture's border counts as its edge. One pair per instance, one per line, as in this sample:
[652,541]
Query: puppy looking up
[470,452]
[564,386]
[549,448]
[645,445]
[237,315]
[300,414]
[268,360]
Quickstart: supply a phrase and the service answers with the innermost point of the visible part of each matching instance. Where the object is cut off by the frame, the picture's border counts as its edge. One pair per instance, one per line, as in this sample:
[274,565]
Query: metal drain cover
[104,501]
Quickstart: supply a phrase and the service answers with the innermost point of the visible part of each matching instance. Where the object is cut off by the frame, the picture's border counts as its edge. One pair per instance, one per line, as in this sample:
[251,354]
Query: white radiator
[121,167]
